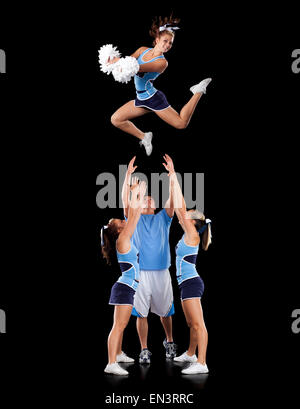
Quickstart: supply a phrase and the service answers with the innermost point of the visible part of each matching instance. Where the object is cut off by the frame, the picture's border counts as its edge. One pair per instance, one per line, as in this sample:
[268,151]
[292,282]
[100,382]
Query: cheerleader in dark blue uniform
[152,63]
[122,293]
[196,229]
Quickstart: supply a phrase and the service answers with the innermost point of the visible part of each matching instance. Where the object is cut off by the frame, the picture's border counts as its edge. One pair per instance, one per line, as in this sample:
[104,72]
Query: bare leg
[142,329]
[119,350]
[121,117]
[193,339]
[180,121]
[167,324]
[198,334]
[121,317]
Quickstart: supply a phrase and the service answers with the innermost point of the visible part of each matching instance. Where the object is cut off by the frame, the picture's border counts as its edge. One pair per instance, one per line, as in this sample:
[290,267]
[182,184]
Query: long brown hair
[199,223]
[109,235]
[159,22]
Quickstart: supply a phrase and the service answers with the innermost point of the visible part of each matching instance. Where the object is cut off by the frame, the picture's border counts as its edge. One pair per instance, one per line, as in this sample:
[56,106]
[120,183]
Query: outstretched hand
[131,168]
[169,165]
[134,184]
[142,192]
[138,191]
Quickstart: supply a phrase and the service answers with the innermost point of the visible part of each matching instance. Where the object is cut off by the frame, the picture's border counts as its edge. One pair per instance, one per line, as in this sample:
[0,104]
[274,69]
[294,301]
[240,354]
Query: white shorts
[154,293]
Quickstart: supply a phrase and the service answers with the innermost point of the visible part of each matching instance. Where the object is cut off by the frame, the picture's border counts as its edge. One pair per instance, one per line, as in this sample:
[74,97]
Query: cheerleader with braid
[152,63]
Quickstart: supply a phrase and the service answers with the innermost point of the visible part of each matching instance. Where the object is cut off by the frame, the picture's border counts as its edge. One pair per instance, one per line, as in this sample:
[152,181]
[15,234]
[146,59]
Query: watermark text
[2,322]
[2,62]
[296,62]
[296,322]
[110,193]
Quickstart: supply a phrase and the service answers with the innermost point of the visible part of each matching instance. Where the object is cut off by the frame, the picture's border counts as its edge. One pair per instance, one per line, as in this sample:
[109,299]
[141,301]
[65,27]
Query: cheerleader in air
[116,236]
[196,230]
[151,62]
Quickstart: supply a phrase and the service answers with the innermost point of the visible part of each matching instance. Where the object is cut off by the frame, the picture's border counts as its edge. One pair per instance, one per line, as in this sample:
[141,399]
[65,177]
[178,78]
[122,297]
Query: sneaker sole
[183,360]
[113,373]
[125,362]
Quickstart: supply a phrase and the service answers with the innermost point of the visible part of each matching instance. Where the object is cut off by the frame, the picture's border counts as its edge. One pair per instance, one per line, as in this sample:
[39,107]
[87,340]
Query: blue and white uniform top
[186,257]
[129,265]
[143,81]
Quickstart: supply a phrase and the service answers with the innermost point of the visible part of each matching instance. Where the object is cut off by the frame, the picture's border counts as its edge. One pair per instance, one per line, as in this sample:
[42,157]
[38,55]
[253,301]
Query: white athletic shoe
[147,142]
[195,368]
[115,369]
[124,358]
[185,358]
[201,87]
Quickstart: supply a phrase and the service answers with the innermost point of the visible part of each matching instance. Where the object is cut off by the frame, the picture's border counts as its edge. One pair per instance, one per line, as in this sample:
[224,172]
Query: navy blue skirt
[157,102]
[191,288]
[121,294]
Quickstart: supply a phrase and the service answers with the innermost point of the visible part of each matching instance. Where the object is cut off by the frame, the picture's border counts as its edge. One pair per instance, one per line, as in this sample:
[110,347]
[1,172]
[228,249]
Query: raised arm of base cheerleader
[169,206]
[135,203]
[191,234]
[126,185]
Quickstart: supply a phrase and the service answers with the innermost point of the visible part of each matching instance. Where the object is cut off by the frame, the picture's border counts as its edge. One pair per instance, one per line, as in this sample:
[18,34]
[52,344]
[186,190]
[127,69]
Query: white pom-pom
[107,52]
[125,69]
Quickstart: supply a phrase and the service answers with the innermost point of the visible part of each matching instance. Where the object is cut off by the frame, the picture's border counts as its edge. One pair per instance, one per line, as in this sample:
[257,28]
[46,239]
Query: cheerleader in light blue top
[155,292]
[117,236]
[153,63]
[129,267]
[196,230]
[186,258]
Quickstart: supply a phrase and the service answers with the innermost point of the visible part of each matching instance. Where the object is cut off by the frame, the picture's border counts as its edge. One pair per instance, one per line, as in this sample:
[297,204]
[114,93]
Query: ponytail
[203,227]
[206,237]
[109,235]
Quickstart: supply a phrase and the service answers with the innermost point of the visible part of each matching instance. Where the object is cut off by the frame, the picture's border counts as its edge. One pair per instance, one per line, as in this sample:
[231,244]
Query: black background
[243,136]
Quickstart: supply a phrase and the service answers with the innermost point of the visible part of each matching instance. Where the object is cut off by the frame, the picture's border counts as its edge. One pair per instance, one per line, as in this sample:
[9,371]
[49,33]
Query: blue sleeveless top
[151,238]
[143,81]
[186,257]
[129,265]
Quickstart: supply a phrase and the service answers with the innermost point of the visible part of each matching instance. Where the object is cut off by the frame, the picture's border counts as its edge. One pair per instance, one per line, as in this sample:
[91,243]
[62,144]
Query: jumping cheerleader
[117,235]
[152,63]
[196,229]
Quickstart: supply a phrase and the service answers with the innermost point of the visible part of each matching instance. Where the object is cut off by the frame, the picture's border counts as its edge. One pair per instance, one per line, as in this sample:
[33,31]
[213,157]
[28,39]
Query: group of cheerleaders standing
[141,240]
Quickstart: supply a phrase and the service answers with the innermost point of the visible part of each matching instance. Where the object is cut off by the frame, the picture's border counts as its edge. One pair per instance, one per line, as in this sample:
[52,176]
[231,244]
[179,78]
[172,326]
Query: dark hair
[158,22]
[206,235]
[110,236]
